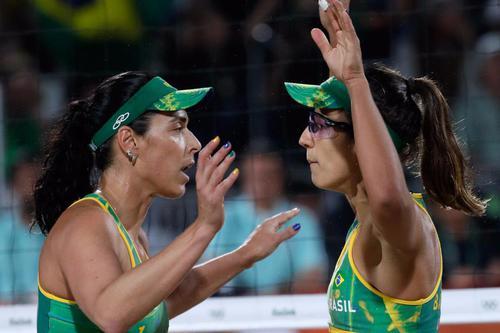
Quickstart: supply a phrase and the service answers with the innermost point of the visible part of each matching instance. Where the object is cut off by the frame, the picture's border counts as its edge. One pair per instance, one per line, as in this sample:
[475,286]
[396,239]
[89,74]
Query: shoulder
[84,222]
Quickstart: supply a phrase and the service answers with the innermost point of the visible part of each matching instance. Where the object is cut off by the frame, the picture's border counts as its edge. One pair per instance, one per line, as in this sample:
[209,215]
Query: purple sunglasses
[322,127]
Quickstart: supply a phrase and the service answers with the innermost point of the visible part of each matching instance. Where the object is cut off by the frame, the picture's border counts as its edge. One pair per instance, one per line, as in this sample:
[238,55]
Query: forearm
[205,279]
[378,159]
[154,280]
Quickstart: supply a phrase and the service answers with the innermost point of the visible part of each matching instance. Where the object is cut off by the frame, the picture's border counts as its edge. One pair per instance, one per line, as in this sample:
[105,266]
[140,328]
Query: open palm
[344,58]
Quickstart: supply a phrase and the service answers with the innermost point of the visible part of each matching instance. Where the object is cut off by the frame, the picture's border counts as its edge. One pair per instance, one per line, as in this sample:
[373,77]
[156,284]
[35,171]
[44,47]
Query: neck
[358,199]
[127,197]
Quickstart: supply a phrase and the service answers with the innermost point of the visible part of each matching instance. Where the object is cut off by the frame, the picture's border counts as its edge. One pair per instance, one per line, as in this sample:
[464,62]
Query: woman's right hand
[342,54]
[329,23]
[211,186]
[267,236]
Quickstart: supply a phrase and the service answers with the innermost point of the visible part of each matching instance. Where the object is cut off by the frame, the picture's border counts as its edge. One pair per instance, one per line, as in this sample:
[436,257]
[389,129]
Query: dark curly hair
[70,169]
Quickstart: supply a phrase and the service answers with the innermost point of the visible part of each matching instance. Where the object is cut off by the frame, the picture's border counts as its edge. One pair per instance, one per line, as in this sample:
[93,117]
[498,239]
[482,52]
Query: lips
[187,166]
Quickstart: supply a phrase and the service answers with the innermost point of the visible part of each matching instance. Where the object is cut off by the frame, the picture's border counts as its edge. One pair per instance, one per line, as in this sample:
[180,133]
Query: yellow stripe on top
[377,292]
[122,235]
[332,329]
[52,296]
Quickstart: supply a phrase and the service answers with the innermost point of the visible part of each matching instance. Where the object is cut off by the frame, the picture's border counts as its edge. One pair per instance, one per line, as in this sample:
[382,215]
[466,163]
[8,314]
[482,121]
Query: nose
[194,144]
[306,139]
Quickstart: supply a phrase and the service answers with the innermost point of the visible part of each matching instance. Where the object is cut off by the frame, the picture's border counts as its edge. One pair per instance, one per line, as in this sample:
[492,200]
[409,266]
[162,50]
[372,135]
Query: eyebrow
[183,118]
[330,111]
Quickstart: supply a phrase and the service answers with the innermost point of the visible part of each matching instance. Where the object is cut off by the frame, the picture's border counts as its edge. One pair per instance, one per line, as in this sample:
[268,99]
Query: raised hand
[267,236]
[211,186]
[342,55]
[328,21]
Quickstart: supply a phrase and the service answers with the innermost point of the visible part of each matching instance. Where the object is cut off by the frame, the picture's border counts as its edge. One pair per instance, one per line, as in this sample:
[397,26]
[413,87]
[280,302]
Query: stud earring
[131,157]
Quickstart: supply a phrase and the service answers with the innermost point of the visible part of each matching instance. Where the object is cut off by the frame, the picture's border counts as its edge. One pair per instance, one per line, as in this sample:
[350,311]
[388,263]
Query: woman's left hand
[268,236]
[343,58]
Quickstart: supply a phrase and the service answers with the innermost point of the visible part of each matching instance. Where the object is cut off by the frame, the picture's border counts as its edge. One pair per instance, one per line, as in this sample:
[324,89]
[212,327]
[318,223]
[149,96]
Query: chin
[319,184]
[333,185]
[317,181]
[181,191]
[174,193]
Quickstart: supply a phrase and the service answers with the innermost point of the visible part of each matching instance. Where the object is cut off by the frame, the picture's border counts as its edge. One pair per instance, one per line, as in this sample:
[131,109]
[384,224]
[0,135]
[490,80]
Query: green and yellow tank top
[58,315]
[356,306]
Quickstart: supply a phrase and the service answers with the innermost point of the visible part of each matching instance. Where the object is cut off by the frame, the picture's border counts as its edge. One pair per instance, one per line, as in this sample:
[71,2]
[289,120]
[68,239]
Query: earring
[131,157]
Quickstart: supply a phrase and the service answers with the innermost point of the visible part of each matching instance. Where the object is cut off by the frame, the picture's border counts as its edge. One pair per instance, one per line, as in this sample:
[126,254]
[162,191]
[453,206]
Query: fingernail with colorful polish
[232,153]
[227,144]
[296,226]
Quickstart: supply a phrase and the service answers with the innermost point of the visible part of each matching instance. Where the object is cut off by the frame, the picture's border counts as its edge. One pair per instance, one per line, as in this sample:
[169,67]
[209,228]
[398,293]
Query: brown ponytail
[444,171]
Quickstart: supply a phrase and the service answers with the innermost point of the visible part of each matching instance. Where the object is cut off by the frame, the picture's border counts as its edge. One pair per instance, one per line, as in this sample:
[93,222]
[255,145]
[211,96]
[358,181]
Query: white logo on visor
[121,118]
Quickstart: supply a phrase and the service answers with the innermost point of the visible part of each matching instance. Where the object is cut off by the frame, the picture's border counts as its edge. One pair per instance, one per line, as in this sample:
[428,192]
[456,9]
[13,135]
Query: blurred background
[52,51]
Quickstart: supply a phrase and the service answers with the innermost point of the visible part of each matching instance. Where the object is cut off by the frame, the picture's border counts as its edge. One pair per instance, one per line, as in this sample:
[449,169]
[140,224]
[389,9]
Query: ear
[126,139]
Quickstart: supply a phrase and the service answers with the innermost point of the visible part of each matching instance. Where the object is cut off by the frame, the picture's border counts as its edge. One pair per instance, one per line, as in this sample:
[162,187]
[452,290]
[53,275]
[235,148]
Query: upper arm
[88,258]
[399,224]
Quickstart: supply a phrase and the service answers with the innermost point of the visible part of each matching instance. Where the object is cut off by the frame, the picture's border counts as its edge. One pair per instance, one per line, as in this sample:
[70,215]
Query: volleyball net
[52,51]
[466,310]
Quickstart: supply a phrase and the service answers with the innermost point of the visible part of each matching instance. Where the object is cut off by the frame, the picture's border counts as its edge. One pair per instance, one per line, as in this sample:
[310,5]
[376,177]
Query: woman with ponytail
[365,126]
[108,157]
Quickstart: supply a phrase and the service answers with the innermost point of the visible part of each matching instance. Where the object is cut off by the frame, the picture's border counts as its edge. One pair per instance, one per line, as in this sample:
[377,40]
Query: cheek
[173,146]
[166,154]
[334,168]
[179,140]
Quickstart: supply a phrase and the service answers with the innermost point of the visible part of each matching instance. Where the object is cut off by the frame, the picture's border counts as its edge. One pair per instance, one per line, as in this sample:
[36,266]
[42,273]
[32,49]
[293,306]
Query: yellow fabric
[99,19]
[54,297]
[332,329]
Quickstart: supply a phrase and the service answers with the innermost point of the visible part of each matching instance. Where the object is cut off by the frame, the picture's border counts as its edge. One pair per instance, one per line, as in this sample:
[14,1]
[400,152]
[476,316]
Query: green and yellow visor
[156,95]
[331,94]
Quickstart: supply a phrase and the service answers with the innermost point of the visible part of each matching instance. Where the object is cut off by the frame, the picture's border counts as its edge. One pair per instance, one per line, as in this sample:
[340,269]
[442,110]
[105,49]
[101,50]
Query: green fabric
[355,308]
[156,95]
[58,317]
[331,94]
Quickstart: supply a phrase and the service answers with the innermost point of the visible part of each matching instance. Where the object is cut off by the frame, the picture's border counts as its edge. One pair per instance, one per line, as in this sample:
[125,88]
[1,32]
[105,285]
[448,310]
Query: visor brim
[180,99]
[312,96]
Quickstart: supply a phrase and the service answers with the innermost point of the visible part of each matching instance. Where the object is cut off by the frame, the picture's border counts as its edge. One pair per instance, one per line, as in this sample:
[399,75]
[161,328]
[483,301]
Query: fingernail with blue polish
[296,226]
[227,144]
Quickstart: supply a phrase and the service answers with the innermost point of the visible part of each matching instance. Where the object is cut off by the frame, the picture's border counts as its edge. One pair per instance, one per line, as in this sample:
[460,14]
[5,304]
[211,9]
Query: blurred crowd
[54,50]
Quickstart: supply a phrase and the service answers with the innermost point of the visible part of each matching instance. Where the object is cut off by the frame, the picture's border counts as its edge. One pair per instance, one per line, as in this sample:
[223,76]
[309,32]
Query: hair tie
[410,86]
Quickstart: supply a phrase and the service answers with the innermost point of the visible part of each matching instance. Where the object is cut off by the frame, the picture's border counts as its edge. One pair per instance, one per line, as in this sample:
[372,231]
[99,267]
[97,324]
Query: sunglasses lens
[318,127]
